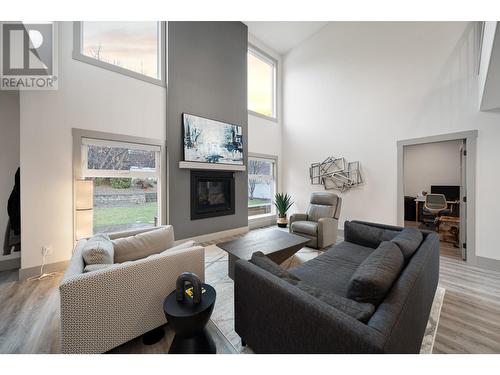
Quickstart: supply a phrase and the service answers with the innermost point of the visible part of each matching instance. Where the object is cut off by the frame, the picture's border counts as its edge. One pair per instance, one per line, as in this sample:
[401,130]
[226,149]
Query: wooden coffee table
[278,245]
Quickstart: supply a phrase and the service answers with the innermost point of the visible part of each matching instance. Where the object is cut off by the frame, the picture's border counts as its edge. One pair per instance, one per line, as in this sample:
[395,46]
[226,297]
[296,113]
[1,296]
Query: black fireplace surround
[212,194]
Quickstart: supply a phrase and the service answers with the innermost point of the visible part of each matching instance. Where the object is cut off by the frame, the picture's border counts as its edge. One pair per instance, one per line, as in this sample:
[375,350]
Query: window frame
[259,53]
[274,160]
[162,61]
[102,138]
[113,173]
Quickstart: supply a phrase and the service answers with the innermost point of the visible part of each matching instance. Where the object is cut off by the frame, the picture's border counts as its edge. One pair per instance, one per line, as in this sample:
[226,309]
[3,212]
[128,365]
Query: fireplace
[212,194]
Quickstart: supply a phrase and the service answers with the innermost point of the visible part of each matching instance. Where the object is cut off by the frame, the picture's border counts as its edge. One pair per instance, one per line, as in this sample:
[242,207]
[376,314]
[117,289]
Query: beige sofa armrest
[296,217]
[327,231]
[103,309]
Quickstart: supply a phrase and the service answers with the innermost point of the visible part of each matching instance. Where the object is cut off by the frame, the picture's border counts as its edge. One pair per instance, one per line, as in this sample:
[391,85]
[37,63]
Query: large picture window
[261,83]
[126,184]
[261,185]
[132,48]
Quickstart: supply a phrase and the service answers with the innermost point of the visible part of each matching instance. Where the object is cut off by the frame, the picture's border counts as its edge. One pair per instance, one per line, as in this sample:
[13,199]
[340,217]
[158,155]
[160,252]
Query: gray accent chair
[320,223]
[286,319]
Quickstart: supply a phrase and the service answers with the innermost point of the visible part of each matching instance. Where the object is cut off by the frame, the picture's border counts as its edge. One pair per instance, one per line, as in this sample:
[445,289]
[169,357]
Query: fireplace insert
[212,194]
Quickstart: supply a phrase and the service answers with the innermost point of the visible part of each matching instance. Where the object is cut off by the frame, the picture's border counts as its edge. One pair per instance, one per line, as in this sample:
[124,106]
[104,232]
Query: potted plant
[283,202]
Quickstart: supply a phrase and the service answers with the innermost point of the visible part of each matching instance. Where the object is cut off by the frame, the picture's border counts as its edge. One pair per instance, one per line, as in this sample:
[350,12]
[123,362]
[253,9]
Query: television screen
[210,141]
[451,192]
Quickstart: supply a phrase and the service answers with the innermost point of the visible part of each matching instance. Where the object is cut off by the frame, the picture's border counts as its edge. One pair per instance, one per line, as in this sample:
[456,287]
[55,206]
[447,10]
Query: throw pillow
[408,241]
[262,261]
[366,235]
[143,244]
[95,267]
[98,250]
[359,311]
[375,275]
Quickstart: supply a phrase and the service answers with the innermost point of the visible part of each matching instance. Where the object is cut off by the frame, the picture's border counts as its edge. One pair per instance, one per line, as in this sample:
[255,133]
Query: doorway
[439,169]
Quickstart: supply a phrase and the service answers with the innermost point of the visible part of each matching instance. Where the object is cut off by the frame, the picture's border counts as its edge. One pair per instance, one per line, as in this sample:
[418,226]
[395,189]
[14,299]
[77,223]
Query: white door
[463,200]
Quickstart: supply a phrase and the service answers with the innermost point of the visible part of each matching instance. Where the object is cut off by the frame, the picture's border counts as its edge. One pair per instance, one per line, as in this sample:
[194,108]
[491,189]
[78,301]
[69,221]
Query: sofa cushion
[408,241]
[96,267]
[307,227]
[332,270]
[375,276]
[318,211]
[262,261]
[98,250]
[366,235]
[360,311]
[143,244]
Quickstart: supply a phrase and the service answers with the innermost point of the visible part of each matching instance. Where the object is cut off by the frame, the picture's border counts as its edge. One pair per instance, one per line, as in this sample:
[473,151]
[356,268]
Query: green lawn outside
[140,214]
[258,202]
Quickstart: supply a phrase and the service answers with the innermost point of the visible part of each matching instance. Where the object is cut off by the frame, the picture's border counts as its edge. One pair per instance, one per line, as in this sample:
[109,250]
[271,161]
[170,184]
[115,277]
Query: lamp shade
[84,224]
[84,195]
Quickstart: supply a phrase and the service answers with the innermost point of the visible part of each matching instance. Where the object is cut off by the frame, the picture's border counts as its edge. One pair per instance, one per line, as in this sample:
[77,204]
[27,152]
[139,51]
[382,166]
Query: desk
[419,202]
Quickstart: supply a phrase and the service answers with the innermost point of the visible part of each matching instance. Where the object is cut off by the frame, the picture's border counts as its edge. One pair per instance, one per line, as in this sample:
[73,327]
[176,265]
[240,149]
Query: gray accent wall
[207,76]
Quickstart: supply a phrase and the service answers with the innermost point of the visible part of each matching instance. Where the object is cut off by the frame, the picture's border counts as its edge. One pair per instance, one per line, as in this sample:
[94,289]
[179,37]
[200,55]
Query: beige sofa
[103,309]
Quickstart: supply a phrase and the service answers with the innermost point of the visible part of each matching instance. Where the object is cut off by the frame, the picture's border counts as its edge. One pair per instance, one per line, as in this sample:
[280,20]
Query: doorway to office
[436,189]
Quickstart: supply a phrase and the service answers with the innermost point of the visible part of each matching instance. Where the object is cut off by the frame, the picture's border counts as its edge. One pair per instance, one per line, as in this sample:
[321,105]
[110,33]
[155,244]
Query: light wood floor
[469,322]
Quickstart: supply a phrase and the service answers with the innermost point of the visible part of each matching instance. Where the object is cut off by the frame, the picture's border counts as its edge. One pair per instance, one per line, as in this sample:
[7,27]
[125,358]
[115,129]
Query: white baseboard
[214,236]
[260,222]
[10,262]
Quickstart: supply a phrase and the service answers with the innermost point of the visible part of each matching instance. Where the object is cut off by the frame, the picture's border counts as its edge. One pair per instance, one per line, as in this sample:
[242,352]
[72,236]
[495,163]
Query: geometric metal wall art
[335,173]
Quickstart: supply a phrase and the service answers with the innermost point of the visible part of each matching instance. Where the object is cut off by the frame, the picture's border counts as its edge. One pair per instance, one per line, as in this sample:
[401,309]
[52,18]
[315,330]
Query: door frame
[470,138]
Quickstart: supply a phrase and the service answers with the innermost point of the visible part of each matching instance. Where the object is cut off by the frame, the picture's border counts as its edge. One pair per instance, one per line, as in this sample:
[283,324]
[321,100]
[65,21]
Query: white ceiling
[282,36]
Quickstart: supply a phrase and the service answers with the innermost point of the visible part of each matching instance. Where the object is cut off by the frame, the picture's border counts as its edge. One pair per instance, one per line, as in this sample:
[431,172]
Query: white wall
[355,89]
[429,164]
[264,136]
[89,98]
[9,153]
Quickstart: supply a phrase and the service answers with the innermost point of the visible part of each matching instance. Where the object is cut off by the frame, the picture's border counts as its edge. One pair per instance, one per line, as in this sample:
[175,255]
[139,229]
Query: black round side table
[188,321]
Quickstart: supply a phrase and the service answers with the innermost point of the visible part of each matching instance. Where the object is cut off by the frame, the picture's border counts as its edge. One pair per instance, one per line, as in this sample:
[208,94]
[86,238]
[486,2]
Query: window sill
[269,118]
[261,217]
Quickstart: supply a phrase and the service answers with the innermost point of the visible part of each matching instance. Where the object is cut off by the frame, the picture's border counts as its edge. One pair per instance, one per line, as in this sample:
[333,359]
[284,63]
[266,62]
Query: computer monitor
[451,192]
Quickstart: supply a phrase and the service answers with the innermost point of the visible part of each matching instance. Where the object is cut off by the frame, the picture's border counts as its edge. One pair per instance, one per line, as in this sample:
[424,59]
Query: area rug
[223,314]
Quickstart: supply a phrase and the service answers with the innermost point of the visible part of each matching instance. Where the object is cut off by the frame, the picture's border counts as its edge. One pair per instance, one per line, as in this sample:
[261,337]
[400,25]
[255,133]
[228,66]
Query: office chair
[435,205]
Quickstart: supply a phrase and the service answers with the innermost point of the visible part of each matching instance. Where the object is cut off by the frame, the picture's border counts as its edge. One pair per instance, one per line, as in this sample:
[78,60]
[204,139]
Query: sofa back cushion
[408,241]
[262,261]
[367,235]
[375,275]
[98,250]
[143,244]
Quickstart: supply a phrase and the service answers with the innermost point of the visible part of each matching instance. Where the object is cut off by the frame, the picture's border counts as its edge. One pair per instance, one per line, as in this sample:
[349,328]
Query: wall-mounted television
[451,192]
[211,141]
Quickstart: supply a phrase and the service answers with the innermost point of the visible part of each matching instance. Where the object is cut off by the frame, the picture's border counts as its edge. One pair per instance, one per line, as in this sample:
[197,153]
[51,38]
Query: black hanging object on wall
[14,205]
[194,280]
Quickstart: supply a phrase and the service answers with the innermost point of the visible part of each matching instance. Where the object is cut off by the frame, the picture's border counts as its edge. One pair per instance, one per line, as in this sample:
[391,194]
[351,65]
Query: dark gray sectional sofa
[371,293]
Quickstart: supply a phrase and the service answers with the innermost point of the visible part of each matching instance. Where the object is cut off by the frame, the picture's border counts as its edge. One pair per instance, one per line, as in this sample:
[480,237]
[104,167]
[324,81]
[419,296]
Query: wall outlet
[46,250]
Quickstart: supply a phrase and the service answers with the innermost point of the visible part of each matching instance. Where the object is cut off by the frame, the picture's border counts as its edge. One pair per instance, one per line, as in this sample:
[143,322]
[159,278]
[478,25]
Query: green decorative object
[283,202]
